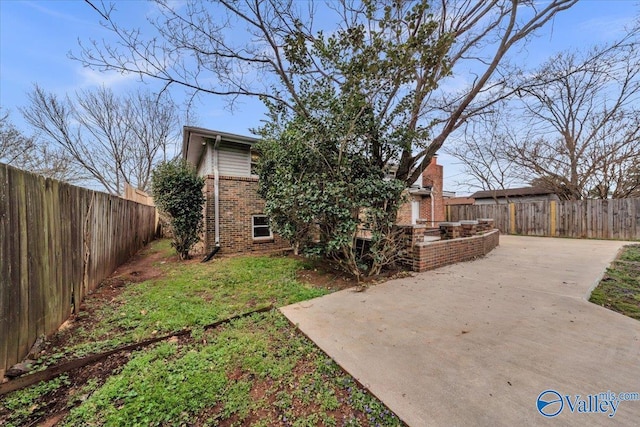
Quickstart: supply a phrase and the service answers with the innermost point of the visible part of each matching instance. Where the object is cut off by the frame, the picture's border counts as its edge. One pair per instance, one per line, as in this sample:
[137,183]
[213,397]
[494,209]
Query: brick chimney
[432,177]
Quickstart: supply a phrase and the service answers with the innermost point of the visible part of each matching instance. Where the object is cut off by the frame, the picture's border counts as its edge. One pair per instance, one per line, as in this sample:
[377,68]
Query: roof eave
[194,141]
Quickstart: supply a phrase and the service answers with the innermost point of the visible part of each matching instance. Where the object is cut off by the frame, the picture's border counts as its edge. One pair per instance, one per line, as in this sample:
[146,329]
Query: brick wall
[238,202]
[423,256]
[409,236]
[428,256]
[433,177]
[404,211]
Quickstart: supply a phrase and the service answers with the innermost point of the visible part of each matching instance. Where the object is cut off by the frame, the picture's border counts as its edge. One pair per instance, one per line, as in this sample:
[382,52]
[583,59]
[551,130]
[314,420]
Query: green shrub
[177,191]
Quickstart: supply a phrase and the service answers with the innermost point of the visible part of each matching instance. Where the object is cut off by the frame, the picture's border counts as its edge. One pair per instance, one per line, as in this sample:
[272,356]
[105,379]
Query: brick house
[426,198]
[234,212]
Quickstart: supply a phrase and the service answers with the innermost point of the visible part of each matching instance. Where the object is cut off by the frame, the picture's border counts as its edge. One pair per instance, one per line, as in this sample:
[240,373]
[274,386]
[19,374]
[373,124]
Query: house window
[261,229]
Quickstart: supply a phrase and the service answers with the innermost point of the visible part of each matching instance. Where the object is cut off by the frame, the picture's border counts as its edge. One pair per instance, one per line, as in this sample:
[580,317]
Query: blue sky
[36,37]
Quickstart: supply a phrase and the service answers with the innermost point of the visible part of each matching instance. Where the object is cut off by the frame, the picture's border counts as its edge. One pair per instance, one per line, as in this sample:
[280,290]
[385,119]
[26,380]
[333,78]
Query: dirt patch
[52,407]
[326,279]
[143,266]
[322,274]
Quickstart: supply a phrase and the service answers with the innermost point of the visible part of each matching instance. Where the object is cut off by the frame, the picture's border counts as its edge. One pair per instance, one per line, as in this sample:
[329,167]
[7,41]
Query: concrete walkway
[474,344]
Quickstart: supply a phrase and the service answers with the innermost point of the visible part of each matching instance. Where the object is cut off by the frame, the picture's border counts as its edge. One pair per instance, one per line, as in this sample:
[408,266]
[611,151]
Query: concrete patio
[476,343]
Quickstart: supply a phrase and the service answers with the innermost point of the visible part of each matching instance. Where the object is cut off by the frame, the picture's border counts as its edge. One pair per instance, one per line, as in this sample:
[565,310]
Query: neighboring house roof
[511,192]
[194,141]
[454,201]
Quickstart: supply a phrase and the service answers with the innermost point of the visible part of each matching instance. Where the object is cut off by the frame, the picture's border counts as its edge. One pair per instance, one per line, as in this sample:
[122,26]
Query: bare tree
[481,151]
[114,140]
[27,153]
[583,117]
[13,144]
[628,185]
[201,46]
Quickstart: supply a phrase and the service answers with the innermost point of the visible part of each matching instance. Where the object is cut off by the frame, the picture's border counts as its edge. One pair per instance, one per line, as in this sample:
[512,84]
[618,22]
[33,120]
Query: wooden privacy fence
[593,219]
[57,242]
[137,195]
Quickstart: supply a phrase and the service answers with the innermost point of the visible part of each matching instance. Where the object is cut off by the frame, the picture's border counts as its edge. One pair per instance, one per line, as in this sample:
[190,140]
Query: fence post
[512,218]
[552,218]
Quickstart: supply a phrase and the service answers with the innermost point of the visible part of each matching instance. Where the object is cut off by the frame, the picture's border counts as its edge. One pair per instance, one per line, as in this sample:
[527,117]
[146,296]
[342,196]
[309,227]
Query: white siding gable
[234,159]
[206,165]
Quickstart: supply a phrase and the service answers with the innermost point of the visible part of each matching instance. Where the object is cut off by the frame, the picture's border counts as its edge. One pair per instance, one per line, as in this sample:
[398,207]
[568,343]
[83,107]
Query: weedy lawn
[258,370]
[619,290]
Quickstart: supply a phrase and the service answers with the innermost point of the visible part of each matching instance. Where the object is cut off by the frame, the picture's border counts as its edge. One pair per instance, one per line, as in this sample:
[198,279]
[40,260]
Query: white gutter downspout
[216,191]
[433,206]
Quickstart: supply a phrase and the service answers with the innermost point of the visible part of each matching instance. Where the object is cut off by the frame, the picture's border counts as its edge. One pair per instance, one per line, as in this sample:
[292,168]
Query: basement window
[261,229]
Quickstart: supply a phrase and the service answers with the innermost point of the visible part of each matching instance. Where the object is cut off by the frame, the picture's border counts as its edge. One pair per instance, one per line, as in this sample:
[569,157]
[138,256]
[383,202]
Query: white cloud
[110,79]
[606,28]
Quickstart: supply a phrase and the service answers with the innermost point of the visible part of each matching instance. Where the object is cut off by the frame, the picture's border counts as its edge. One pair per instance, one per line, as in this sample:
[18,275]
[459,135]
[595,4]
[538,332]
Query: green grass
[25,403]
[203,293]
[257,370]
[191,295]
[619,290]
[245,371]
[631,253]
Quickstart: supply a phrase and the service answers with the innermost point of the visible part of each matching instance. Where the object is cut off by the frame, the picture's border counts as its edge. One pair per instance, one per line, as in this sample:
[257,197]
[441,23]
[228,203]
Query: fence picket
[5,254]
[598,219]
[57,242]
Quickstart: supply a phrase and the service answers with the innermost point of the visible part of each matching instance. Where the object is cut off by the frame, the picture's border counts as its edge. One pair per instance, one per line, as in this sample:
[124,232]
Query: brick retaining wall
[430,255]
[422,255]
